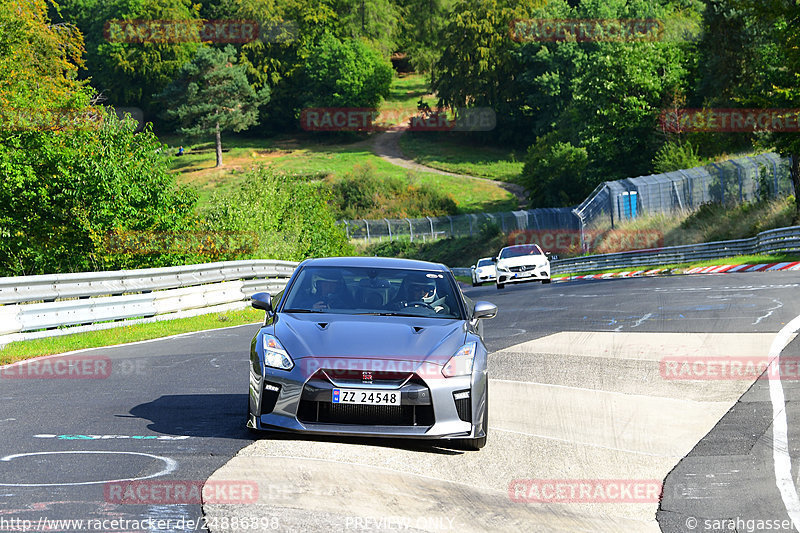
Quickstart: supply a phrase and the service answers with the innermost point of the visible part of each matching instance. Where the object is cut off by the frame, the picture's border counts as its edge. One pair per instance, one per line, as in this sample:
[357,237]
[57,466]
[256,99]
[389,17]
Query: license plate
[366,397]
[523,274]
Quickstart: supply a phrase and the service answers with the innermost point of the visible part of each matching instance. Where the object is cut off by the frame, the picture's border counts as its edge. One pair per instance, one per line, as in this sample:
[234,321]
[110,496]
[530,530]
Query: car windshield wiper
[304,311]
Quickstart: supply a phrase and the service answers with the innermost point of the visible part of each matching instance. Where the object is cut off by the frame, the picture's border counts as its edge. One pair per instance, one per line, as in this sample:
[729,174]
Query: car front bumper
[300,401]
[538,274]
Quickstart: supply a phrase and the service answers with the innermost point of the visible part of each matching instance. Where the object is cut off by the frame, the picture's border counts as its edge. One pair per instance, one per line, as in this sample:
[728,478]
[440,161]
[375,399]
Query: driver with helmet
[416,291]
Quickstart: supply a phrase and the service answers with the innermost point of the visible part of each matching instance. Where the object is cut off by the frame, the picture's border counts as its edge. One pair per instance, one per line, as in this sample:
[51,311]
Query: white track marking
[780,426]
[169,466]
[769,311]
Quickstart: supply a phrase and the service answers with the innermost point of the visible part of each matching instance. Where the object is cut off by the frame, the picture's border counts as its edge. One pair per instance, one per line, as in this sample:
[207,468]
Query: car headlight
[275,355]
[461,363]
[502,267]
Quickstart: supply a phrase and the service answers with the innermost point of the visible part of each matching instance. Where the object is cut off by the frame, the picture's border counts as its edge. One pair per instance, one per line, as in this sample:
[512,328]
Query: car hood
[369,337]
[538,260]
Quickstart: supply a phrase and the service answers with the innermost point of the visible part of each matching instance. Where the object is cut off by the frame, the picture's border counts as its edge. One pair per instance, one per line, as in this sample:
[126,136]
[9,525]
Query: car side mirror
[262,300]
[548,254]
[484,310]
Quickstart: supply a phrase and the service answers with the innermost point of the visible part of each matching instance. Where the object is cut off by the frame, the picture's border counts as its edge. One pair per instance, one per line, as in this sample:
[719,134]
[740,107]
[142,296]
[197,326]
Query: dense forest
[582,110]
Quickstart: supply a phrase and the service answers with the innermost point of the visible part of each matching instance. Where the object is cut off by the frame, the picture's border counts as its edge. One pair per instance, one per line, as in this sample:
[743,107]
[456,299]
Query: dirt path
[386,145]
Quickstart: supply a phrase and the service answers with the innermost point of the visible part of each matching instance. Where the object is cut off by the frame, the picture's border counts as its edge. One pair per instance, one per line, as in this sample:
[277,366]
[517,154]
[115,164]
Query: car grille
[523,268]
[365,415]
[417,410]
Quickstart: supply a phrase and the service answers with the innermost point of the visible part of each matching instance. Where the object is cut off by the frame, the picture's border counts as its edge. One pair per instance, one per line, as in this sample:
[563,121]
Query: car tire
[475,284]
[500,285]
[476,444]
[546,280]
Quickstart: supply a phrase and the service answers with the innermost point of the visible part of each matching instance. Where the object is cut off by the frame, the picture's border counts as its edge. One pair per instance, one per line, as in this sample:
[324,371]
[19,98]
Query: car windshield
[485,263]
[373,291]
[517,251]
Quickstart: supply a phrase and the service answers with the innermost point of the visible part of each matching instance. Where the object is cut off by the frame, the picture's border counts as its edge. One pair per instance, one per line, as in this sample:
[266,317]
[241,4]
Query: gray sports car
[371,346]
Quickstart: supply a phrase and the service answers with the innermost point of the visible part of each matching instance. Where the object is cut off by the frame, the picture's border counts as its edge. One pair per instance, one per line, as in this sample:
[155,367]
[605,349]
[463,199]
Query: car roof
[380,262]
[520,246]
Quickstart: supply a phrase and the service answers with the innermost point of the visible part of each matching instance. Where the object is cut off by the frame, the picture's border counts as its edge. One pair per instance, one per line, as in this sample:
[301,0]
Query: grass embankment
[17,351]
[712,222]
[451,152]
[709,223]
[337,156]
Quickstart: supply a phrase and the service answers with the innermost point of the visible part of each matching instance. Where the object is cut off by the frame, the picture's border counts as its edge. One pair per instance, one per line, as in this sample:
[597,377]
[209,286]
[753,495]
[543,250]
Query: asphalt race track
[581,395]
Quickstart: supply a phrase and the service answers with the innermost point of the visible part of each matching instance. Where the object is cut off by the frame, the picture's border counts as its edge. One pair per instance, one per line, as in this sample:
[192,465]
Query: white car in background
[483,271]
[522,262]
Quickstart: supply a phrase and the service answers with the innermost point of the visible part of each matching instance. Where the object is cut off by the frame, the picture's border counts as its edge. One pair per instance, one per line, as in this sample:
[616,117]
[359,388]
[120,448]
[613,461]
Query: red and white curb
[763,267]
[631,274]
[719,269]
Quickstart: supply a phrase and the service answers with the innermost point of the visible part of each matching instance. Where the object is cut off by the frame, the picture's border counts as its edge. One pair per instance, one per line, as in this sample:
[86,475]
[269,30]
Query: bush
[363,194]
[554,173]
[289,214]
[676,155]
[63,192]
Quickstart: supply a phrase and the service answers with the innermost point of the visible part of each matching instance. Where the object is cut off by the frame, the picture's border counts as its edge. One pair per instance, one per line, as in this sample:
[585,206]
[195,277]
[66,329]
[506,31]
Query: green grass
[330,156]
[404,96]
[17,351]
[450,152]
[471,196]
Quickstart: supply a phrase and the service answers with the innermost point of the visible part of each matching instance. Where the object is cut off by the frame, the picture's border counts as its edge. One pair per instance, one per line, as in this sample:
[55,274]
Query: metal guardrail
[49,301]
[767,242]
[32,303]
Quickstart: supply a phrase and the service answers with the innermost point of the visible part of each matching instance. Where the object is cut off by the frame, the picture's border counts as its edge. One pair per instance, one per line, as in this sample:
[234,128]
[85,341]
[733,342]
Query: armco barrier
[782,240]
[50,301]
[35,303]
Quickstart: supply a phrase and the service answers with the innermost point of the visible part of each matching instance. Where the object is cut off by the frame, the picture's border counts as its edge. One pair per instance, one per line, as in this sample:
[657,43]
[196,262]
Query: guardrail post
[410,230]
[431,221]
[367,224]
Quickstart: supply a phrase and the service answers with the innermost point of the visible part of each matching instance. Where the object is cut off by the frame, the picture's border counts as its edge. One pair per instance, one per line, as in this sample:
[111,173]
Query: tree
[345,74]
[375,21]
[211,94]
[421,31]
[554,173]
[39,61]
[124,71]
[782,18]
